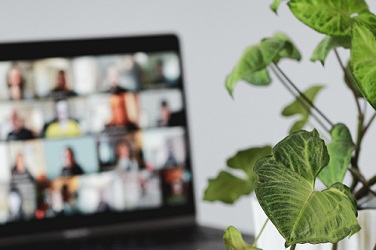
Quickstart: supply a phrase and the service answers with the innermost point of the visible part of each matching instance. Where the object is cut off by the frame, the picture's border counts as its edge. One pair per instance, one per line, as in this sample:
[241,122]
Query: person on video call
[159,71]
[71,167]
[125,159]
[119,114]
[18,132]
[168,118]
[24,183]
[19,170]
[113,79]
[61,89]
[63,125]
[68,199]
[16,83]
[171,161]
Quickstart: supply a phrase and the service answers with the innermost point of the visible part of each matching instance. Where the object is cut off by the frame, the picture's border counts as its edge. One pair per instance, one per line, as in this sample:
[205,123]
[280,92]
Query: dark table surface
[188,237]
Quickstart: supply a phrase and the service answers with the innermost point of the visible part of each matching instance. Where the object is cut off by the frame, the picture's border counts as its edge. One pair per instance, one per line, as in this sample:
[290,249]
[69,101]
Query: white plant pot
[270,239]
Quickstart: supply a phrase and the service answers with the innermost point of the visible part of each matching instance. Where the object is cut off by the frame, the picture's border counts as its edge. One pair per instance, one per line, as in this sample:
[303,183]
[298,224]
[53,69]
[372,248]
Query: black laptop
[94,146]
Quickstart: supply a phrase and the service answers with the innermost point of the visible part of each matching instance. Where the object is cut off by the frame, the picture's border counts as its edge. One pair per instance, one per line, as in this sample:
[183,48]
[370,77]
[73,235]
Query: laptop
[94,146]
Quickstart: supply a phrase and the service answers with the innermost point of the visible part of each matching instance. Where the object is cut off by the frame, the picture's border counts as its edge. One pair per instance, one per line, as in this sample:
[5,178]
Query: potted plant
[284,177]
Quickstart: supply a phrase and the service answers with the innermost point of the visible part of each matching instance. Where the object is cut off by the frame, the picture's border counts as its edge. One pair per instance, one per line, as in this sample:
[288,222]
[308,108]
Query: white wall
[213,35]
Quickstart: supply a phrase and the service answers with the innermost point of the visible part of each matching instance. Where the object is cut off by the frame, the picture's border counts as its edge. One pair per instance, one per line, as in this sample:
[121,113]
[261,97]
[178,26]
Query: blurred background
[213,35]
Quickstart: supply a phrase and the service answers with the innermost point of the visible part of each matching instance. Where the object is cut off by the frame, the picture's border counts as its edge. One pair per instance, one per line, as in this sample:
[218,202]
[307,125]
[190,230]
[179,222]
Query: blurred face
[15,77]
[16,121]
[15,84]
[62,110]
[69,159]
[123,151]
[60,82]
[118,110]
[165,114]
[20,164]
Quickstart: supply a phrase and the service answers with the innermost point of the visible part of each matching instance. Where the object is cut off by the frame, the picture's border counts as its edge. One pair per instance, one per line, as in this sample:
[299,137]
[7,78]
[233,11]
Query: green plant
[283,177]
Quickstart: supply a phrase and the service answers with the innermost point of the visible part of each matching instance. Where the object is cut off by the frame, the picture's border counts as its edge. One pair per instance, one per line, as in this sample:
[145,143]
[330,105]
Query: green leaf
[363,62]
[352,83]
[368,20]
[274,6]
[234,241]
[246,159]
[285,190]
[297,108]
[259,78]
[228,188]
[254,61]
[340,151]
[331,17]
[288,51]
[328,44]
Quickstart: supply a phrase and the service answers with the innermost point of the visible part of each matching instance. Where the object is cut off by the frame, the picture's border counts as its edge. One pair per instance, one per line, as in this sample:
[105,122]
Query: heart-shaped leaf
[228,188]
[246,159]
[300,107]
[234,241]
[340,151]
[285,189]
[327,44]
[254,61]
[363,62]
[331,17]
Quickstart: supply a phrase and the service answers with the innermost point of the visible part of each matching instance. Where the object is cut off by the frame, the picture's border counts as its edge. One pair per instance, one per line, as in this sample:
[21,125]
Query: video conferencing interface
[91,134]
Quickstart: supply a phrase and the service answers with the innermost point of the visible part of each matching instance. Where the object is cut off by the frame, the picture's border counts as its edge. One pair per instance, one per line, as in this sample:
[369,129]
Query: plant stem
[359,138]
[360,130]
[300,99]
[305,98]
[259,234]
[335,246]
[355,158]
[350,80]
[355,172]
[365,189]
[366,127]
[293,247]
[359,177]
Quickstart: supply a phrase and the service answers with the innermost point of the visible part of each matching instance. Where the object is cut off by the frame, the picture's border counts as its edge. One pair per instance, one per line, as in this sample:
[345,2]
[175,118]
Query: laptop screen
[92,132]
